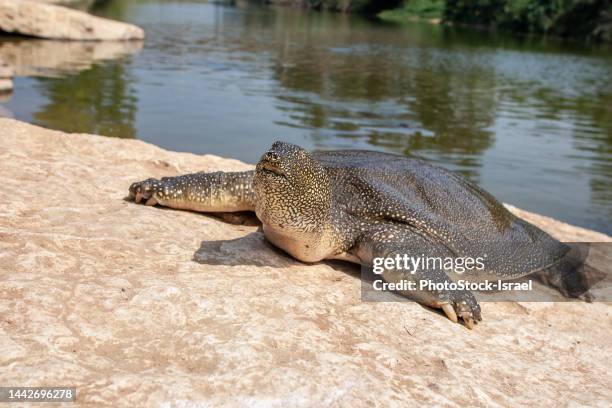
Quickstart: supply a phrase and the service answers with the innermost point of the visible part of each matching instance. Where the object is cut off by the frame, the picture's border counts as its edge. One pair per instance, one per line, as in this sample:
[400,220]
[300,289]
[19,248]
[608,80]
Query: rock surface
[6,77]
[142,306]
[6,85]
[56,22]
[5,70]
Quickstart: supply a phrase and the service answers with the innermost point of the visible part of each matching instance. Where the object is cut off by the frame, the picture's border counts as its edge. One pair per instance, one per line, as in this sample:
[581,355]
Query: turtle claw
[464,307]
[151,201]
[145,190]
[450,312]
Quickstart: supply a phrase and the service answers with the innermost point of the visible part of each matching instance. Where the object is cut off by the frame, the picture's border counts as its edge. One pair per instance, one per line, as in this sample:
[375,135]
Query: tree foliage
[359,6]
[591,19]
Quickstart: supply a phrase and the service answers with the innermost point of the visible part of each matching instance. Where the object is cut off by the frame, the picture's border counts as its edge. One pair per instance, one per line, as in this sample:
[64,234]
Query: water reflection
[597,150]
[84,92]
[99,99]
[361,84]
[392,106]
[50,58]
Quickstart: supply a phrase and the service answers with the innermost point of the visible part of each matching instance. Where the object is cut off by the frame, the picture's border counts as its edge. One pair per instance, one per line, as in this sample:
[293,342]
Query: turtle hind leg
[456,304]
[572,276]
[426,286]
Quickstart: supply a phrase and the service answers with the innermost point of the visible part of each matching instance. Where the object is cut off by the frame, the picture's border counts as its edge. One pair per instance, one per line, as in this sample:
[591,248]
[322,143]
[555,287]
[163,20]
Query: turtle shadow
[255,250]
[252,250]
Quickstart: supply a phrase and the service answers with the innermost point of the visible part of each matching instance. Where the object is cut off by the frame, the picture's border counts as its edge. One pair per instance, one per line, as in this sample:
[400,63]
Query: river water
[528,119]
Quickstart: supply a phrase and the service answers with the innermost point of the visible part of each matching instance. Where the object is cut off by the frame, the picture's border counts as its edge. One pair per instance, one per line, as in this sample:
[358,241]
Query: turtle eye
[271,156]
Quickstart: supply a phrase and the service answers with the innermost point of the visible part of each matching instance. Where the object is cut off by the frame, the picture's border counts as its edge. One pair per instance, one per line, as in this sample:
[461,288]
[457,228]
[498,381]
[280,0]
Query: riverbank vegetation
[344,6]
[416,9]
[588,19]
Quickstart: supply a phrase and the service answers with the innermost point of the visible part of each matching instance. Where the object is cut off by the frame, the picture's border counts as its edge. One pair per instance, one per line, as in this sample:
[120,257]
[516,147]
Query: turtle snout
[271,163]
[284,157]
[284,149]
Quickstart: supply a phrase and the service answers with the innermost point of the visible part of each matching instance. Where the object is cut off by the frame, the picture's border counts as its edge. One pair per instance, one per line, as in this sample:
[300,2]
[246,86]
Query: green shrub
[591,19]
[426,9]
[359,6]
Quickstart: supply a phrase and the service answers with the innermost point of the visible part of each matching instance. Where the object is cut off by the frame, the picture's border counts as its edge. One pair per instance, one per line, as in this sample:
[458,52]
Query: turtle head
[292,189]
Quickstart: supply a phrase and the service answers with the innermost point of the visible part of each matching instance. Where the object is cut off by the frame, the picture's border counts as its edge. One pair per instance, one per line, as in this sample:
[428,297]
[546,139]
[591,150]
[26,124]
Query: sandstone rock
[6,81]
[56,22]
[6,85]
[141,306]
[52,58]
[5,70]
[6,75]
[560,230]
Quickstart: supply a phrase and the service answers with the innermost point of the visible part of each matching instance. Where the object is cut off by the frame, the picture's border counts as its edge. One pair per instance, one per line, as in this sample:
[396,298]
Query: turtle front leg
[204,192]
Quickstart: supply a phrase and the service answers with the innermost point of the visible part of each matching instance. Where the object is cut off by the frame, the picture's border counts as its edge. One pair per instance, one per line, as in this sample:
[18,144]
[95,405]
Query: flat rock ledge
[50,21]
[141,306]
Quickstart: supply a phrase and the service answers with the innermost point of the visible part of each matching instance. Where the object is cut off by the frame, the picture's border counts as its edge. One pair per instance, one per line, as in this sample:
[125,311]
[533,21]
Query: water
[530,120]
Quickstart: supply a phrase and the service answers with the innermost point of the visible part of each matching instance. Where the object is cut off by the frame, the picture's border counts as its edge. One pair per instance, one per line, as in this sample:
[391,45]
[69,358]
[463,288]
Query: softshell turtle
[360,205]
